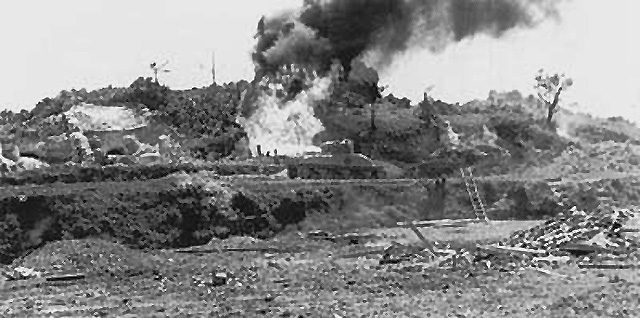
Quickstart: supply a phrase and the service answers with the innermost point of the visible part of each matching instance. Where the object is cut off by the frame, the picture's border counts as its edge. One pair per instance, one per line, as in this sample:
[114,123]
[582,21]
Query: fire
[287,126]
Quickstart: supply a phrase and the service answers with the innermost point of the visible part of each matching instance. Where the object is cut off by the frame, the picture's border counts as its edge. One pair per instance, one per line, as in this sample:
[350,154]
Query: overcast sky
[49,46]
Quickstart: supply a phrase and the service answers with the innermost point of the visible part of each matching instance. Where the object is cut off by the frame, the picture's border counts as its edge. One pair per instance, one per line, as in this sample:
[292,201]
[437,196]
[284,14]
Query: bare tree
[549,88]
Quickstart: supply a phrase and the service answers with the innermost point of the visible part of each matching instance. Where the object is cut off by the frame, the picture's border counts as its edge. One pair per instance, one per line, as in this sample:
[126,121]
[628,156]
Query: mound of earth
[86,256]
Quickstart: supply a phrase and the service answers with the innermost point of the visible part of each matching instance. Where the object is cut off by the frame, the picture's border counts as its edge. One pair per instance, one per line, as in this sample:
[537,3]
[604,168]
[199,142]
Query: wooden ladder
[474,194]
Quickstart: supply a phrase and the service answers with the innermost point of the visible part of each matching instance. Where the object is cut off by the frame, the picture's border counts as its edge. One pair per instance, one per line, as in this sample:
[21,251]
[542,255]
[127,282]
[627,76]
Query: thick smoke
[323,31]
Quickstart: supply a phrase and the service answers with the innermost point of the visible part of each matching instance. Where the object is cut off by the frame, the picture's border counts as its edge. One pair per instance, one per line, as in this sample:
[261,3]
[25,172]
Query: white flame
[287,127]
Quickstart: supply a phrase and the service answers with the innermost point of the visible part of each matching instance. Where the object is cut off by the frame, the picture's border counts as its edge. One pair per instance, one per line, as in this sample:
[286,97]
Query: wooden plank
[232,249]
[419,234]
[447,226]
[65,277]
[436,223]
[196,251]
[583,248]
[509,249]
[608,266]
[547,272]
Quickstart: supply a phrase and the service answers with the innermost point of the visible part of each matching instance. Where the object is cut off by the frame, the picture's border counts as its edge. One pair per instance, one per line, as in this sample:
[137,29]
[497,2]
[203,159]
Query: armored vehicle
[337,160]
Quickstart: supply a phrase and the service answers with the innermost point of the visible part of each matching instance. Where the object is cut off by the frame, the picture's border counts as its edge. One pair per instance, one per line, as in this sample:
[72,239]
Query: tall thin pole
[213,67]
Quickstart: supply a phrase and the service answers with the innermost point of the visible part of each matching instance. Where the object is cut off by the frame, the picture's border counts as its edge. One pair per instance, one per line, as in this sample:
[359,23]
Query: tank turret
[337,160]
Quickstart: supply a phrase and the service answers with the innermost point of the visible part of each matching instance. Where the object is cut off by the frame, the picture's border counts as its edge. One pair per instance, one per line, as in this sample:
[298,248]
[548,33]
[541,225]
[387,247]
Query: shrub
[10,236]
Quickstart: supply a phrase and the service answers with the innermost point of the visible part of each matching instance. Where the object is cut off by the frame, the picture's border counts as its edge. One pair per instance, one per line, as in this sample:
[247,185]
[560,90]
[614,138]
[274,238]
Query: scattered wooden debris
[547,272]
[512,250]
[22,273]
[434,256]
[419,234]
[582,248]
[608,265]
[215,280]
[552,260]
[319,234]
[571,229]
[352,238]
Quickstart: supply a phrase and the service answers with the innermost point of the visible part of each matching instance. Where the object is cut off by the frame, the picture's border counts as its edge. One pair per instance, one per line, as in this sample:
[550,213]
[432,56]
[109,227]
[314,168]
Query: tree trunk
[552,106]
[549,115]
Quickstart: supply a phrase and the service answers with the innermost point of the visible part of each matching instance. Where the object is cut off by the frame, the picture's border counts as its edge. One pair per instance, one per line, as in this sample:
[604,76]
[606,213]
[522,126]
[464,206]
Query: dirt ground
[297,276]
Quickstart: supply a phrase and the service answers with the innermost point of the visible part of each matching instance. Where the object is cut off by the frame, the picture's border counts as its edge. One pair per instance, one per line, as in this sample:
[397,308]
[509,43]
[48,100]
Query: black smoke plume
[323,31]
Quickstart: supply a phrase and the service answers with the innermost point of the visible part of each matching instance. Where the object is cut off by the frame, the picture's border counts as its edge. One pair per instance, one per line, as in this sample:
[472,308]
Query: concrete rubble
[21,273]
[599,229]
[11,160]
[608,239]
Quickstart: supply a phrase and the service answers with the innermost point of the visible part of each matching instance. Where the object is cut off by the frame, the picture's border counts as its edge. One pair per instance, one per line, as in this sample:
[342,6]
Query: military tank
[336,160]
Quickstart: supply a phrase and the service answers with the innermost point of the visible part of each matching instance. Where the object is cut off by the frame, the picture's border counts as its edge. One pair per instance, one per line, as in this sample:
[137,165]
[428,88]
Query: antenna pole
[213,67]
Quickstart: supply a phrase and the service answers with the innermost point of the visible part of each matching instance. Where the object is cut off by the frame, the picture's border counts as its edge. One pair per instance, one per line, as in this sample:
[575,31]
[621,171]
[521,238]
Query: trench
[178,218]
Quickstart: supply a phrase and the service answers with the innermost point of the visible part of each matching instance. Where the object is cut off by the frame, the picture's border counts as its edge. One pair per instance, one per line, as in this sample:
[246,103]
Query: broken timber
[65,277]
[547,272]
[232,249]
[439,223]
[583,248]
[510,250]
[608,266]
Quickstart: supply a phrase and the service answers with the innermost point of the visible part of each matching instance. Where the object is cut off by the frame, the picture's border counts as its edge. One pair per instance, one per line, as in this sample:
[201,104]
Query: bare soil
[296,276]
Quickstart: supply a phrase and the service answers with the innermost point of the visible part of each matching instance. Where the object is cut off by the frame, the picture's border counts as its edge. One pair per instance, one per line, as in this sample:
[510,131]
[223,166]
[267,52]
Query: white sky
[49,46]
[595,44]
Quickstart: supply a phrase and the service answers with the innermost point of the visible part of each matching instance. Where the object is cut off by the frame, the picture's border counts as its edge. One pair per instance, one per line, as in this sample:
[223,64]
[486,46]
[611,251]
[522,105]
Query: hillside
[510,130]
[202,120]
[514,135]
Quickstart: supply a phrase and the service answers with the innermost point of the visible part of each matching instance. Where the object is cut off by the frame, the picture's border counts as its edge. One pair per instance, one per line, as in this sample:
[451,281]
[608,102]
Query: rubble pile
[602,229]
[19,273]
[597,238]
[436,255]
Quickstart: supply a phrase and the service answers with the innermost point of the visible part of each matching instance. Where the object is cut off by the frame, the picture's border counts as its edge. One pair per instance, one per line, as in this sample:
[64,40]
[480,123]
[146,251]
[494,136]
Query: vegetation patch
[77,173]
[150,214]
